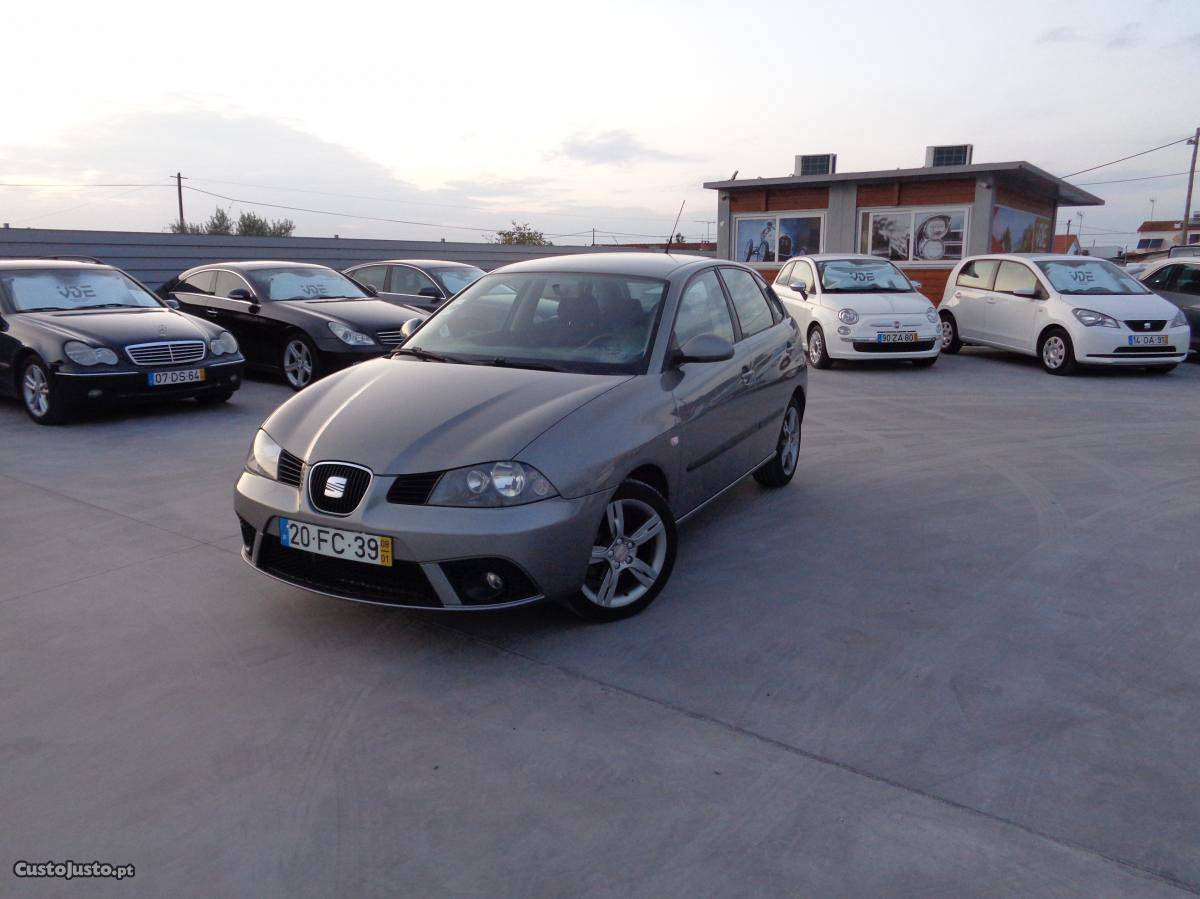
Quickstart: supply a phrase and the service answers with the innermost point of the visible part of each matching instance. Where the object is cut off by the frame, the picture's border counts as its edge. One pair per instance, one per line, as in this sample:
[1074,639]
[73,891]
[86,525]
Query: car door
[194,294]
[412,287]
[706,394]
[242,317]
[1016,301]
[972,289]
[1179,284]
[371,276]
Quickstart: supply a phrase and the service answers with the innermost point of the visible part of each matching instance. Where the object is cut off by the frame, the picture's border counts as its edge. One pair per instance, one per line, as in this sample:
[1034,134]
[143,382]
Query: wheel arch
[654,477]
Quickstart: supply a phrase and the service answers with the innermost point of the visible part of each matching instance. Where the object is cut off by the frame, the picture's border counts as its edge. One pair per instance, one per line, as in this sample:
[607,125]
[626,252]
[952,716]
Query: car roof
[50,263]
[419,263]
[829,257]
[646,265]
[1036,257]
[251,264]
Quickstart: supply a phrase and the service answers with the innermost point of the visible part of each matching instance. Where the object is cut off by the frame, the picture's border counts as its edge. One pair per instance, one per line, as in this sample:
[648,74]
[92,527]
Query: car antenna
[671,236]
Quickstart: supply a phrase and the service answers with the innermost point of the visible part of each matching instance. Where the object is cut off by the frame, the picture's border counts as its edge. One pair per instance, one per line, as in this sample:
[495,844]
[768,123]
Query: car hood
[878,303]
[402,415]
[366,315]
[122,327]
[1124,306]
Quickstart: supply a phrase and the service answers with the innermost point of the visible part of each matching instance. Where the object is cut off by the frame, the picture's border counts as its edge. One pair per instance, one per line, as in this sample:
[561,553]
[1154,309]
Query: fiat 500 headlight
[82,354]
[492,484]
[264,456]
[932,315]
[222,344]
[1093,319]
[1179,320]
[350,336]
[848,316]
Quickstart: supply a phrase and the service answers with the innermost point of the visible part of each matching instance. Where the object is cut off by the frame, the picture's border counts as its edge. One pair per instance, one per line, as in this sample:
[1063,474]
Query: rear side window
[702,310]
[977,274]
[1189,280]
[373,275]
[1015,276]
[749,302]
[200,282]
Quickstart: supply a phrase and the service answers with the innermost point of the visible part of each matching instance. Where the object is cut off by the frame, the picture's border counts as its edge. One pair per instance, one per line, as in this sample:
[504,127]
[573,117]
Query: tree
[187,229]
[219,222]
[523,234]
[248,225]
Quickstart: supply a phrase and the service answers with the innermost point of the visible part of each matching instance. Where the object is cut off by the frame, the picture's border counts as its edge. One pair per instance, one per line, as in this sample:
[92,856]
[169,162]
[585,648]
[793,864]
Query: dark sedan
[300,320]
[1177,279]
[76,334]
[423,284]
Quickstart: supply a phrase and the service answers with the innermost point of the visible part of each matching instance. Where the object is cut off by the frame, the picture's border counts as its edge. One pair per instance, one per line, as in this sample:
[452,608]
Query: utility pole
[179,194]
[1187,206]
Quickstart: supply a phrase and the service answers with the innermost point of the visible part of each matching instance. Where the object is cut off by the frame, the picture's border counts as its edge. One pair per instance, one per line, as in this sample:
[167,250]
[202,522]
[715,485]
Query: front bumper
[540,550]
[84,386]
[1110,346]
[862,340]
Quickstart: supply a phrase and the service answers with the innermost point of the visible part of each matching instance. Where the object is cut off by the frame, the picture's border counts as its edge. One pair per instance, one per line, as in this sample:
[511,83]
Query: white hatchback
[858,307]
[1065,310]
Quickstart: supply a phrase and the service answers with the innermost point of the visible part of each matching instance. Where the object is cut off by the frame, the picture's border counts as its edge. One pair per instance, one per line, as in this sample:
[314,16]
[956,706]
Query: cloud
[616,147]
[1191,40]
[1060,35]
[1128,35]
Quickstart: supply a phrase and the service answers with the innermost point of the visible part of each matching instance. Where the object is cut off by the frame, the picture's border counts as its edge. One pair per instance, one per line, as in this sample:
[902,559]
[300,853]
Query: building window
[910,235]
[1018,231]
[776,237]
[1150,243]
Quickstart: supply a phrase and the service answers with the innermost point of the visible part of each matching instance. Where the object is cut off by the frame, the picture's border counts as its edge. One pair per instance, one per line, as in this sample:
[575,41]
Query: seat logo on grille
[335,487]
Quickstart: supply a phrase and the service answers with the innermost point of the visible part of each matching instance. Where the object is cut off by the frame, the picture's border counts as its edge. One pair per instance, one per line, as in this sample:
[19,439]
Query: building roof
[1064,242]
[1066,194]
[1165,225]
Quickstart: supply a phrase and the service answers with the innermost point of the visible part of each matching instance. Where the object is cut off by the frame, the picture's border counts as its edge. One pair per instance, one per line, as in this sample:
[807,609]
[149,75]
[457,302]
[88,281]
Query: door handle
[212,312]
[958,295]
[746,374]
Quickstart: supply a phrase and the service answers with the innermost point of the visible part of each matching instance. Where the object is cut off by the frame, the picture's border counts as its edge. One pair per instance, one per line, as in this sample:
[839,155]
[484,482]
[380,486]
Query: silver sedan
[538,437]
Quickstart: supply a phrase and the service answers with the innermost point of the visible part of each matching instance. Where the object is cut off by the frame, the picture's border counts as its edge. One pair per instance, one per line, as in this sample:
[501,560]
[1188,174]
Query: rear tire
[778,472]
[633,553]
[818,354]
[1056,352]
[951,343]
[40,394]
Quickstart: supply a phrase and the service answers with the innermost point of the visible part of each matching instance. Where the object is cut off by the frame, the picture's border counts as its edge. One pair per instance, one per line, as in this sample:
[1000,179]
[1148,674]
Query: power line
[1131,156]
[1127,180]
[131,184]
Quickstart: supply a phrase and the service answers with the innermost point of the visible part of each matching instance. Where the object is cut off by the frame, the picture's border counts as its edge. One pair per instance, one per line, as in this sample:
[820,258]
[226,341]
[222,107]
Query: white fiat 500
[858,307]
[1065,310]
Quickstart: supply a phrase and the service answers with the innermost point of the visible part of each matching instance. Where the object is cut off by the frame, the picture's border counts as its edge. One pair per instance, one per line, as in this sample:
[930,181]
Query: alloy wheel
[947,333]
[36,390]
[816,344]
[297,363]
[628,556]
[789,441]
[1054,351]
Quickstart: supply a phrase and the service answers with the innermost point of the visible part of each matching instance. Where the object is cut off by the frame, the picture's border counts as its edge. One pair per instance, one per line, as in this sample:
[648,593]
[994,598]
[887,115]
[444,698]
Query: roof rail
[75,259]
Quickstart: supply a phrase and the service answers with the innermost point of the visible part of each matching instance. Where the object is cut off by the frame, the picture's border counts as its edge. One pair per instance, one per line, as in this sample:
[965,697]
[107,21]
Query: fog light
[92,394]
[843,330]
[494,581]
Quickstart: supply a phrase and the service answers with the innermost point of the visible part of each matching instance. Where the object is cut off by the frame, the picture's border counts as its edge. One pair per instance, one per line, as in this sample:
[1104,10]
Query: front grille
[175,352]
[337,488]
[401,583]
[291,469]
[390,338]
[412,489]
[247,532]
[870,346]
[1146,326]
[1143,350]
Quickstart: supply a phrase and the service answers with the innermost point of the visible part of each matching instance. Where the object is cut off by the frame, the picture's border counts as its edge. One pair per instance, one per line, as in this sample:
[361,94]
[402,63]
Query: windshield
[303,284]
[1089,276]
[862,276]
[44,290]
[452,280]
[573,322]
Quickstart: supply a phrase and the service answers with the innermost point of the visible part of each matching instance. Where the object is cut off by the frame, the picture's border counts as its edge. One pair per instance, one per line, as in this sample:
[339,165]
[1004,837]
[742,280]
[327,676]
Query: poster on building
[799,236]
[939,236]
[755,240]
[1017,231]
[891,234]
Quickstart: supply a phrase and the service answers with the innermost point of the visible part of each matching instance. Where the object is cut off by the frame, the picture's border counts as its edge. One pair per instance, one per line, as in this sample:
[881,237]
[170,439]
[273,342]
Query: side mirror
[432,292]
[241,293]
[1030,293]
[705,348]
[370,289]
[172,302]
[916,285]
[407,329]
[801,287]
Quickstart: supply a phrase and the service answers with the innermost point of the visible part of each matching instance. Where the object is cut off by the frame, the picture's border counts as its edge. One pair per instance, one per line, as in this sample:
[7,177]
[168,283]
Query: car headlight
[82,354]
[1179,320]
[222,344]
[848,315]
[1093,319]
[264,456]
[932,315]
[349,335]
[491,484]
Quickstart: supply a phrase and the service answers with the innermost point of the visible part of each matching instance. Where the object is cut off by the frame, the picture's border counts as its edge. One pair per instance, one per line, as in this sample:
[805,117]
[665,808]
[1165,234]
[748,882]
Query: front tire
[818,353]
[1056,352]
[40,394]
[779,471]
[951,343]
[632,556]
[300,363]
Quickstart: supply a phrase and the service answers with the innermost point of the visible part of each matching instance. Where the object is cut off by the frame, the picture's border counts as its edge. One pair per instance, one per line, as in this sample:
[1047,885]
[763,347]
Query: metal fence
[154,258]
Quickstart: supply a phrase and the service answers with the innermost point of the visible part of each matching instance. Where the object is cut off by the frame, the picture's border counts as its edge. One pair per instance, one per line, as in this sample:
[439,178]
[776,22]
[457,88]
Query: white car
[858,307]
[1065,310]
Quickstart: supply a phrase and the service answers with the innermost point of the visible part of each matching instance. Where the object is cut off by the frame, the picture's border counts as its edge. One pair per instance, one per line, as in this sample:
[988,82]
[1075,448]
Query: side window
[200,282]
[373,275]
[702,310]
[977,274]
[227,281]
[753,311]
[1189,280]
[784,277]
[804,273]
[1162,277]
[777,313]
[409,281]
[1015,276]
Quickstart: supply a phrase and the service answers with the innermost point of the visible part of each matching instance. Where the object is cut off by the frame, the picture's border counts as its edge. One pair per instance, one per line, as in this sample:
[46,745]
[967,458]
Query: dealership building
[923,219]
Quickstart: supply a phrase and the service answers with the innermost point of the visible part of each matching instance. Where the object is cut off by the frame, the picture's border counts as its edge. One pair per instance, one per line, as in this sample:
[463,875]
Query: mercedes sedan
[421,284]
[77,335]
[539,436]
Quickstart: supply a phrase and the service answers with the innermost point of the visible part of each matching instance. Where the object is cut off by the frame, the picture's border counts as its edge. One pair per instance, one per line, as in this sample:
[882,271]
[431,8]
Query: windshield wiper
[422,354]
[45,309]
[502,362]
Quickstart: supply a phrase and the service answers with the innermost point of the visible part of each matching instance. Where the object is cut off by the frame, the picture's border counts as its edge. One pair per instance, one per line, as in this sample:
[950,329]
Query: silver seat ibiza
[538,437]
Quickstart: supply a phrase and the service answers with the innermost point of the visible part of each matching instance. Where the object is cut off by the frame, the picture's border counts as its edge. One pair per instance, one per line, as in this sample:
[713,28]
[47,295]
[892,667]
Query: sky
[449,120]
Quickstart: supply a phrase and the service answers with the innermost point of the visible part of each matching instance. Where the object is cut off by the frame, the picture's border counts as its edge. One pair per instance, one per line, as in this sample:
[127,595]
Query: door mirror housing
[704,348]
[172,302]
[241,293]
[916,285]
[1030,293]
[407,329]
[370,289]
[800,286]
[432,292]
